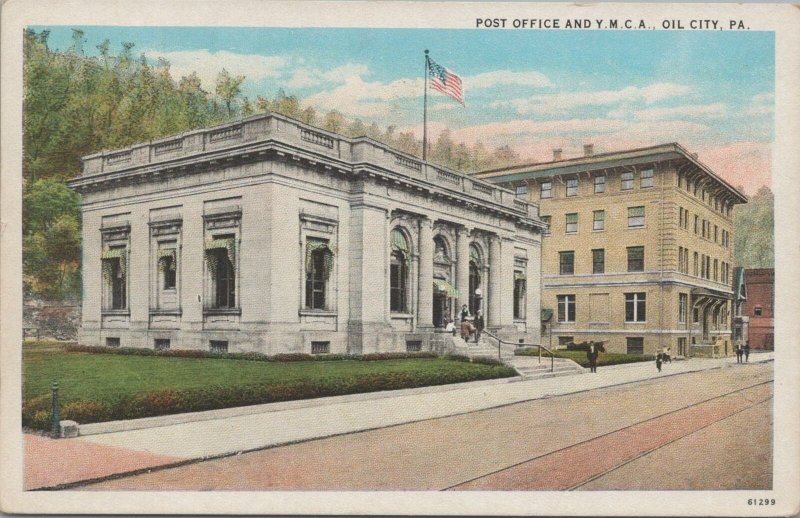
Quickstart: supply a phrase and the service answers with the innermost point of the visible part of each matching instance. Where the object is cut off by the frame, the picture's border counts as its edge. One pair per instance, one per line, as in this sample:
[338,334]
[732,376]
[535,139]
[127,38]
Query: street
[699,430]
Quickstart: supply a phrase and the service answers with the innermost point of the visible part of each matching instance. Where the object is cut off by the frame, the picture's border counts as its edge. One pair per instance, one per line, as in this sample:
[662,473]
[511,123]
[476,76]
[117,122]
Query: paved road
[636,436]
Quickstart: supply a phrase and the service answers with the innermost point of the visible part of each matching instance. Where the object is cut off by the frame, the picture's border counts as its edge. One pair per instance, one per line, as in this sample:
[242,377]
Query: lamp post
[56,418]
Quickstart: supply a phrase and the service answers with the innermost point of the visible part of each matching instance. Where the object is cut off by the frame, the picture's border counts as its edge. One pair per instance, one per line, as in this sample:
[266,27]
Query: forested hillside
[754,242]
[76,105]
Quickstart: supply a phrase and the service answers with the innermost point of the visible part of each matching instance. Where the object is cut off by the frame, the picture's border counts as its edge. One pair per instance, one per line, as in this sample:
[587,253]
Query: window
[112,342]
[167,266]
[647,178]
[398,273]
[695,264]
[474,281]
[683,304]
[600,183]
[635,217]
[708,266]
[319,265]
[704,228]
[565,340]
[572,187]
[520,288]
[546,220]
[635,345]
[161,344]
[716,269]
[695,315]
[220,259]
[716,229]
[218,346]
[521,191]
[696,222]
[599,220]
[572,223]
[598,260]
[115,261]
[566,263]
[546,190]
[320,347]
[627,181]
[413,346]
[566,308]
[635,307]
[757,311]
[635,258]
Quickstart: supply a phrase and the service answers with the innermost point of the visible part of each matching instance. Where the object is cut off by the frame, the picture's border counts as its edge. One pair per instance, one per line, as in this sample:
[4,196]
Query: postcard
[400,258]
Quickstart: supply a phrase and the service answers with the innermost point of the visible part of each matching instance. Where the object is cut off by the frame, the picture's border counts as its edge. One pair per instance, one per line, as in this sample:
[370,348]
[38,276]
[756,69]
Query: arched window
[398,275]
[319,265]
[220,254]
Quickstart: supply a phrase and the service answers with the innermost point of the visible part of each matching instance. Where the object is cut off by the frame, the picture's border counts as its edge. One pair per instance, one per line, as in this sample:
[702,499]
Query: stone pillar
[425,299]
[462,268]
[495,282]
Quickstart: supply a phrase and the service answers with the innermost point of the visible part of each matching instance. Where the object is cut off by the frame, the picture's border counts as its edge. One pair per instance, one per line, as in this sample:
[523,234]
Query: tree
[228,89]
[754,223]
[333,121]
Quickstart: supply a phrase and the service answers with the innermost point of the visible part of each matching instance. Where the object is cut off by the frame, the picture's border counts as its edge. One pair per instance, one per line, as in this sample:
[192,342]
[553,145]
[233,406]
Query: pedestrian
[478,325]
[668,355]
[450,327]
[466,329]
[659,360]
[464,312]
[591,355]
[739,352]
[747,351]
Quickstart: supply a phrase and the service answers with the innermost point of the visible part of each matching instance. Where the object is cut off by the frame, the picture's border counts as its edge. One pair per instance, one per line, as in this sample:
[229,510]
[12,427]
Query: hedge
[580,358]
[36,411]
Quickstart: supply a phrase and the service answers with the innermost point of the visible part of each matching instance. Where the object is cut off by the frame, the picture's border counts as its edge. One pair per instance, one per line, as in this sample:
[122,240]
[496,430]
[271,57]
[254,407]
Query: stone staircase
[528,367]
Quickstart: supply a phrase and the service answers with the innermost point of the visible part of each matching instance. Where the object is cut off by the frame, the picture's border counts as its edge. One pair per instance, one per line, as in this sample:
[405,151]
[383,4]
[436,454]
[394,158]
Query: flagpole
[425,113]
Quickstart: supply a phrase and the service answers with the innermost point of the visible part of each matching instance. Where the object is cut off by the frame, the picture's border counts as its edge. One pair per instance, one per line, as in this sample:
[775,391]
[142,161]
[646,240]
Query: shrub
[397,356]
[85,411]
[458,357]
[487,360]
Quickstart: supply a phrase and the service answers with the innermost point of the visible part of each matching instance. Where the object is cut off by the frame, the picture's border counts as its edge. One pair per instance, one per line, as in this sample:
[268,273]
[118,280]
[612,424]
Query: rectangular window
[546,190]
[683,304]
[647,178]
[708,266]
[566,263]
[565,340]
[167,267]
[600,183]
[220,257]
[572,223]
[218,346]
[521,191]
[635,217]
[572,187]
[599,220]
[758,311]
[680,258]
[627,181]
[546,220]
[161,344]
[566,308]
[696,223]
[112,342]
[319,265]
[520,288]
[716,229]
[635,258]
[716,269]
[320,347]
[598,260]
[115,277]
[695,264]
[398,279]
[635,345]
[413,346]
[635,307]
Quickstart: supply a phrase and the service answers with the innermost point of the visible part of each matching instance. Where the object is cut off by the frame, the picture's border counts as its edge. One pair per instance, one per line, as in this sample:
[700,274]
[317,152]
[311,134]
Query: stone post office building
[272,236]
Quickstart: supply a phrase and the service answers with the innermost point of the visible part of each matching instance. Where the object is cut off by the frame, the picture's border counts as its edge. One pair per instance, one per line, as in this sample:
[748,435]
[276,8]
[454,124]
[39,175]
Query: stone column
[495,282]
[425,299]
[462,268]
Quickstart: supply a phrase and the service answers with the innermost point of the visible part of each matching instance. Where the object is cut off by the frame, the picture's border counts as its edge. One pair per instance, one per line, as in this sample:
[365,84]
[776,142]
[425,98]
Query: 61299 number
[760,501]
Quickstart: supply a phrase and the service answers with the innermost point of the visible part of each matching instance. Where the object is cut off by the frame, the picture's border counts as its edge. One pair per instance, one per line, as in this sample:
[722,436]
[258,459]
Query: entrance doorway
[441,308]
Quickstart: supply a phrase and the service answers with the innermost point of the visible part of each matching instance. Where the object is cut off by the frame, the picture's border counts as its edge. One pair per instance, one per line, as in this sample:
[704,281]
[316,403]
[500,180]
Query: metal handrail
[522,344]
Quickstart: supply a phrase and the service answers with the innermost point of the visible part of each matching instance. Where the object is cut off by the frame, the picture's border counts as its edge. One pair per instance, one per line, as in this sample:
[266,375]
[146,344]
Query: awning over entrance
[547,314]
[444,287]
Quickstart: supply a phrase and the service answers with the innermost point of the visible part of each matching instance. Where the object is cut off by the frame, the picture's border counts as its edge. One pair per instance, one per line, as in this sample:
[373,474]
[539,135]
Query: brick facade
[760,285]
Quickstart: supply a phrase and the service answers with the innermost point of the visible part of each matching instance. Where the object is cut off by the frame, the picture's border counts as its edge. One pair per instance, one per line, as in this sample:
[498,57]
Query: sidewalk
[277,424]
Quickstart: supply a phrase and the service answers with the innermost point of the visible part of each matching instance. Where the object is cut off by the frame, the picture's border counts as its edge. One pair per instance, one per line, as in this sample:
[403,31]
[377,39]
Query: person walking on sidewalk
[739,352]
[747,351]
[659,360]
[478,325]
[591,355]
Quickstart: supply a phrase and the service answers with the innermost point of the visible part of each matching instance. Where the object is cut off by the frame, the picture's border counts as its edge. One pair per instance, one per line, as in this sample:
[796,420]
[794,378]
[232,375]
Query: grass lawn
[148,385]
[580,357]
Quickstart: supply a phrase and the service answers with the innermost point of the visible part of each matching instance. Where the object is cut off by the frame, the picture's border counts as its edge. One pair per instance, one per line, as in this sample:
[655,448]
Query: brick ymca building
[760,286]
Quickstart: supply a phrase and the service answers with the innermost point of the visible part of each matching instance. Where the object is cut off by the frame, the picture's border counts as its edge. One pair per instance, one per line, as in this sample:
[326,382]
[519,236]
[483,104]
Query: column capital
[463,231]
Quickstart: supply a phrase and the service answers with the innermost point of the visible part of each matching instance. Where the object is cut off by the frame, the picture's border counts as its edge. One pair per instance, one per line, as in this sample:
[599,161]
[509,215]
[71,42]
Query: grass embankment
[580,357]
[96,387]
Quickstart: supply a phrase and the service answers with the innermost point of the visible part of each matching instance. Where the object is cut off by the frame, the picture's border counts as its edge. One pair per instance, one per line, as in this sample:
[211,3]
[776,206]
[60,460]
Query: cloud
[761,104]
[209,64]
[360,98]
[746,164]
[506,77]
[310,77]
[690,111]
[564,101]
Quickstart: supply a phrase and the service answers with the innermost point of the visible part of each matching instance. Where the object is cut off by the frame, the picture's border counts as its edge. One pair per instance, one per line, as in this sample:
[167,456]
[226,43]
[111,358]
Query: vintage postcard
[406,258]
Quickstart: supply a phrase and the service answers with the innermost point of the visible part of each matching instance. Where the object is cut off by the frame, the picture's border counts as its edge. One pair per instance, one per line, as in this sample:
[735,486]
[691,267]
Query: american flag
[445,81]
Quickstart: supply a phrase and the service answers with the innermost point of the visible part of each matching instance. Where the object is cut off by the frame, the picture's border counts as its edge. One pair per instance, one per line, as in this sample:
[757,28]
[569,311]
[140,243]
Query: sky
[536,90]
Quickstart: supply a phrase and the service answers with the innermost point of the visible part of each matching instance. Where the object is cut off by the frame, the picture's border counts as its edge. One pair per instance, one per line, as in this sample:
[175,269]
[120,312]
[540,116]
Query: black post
[55,431]
[425,113]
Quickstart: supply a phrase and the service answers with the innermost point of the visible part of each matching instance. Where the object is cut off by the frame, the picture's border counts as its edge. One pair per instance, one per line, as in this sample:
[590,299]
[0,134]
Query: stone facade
[272,236]
[640,248]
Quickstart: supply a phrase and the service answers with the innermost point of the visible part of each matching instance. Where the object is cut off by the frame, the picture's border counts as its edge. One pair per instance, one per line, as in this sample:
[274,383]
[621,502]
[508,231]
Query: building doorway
[441,308]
